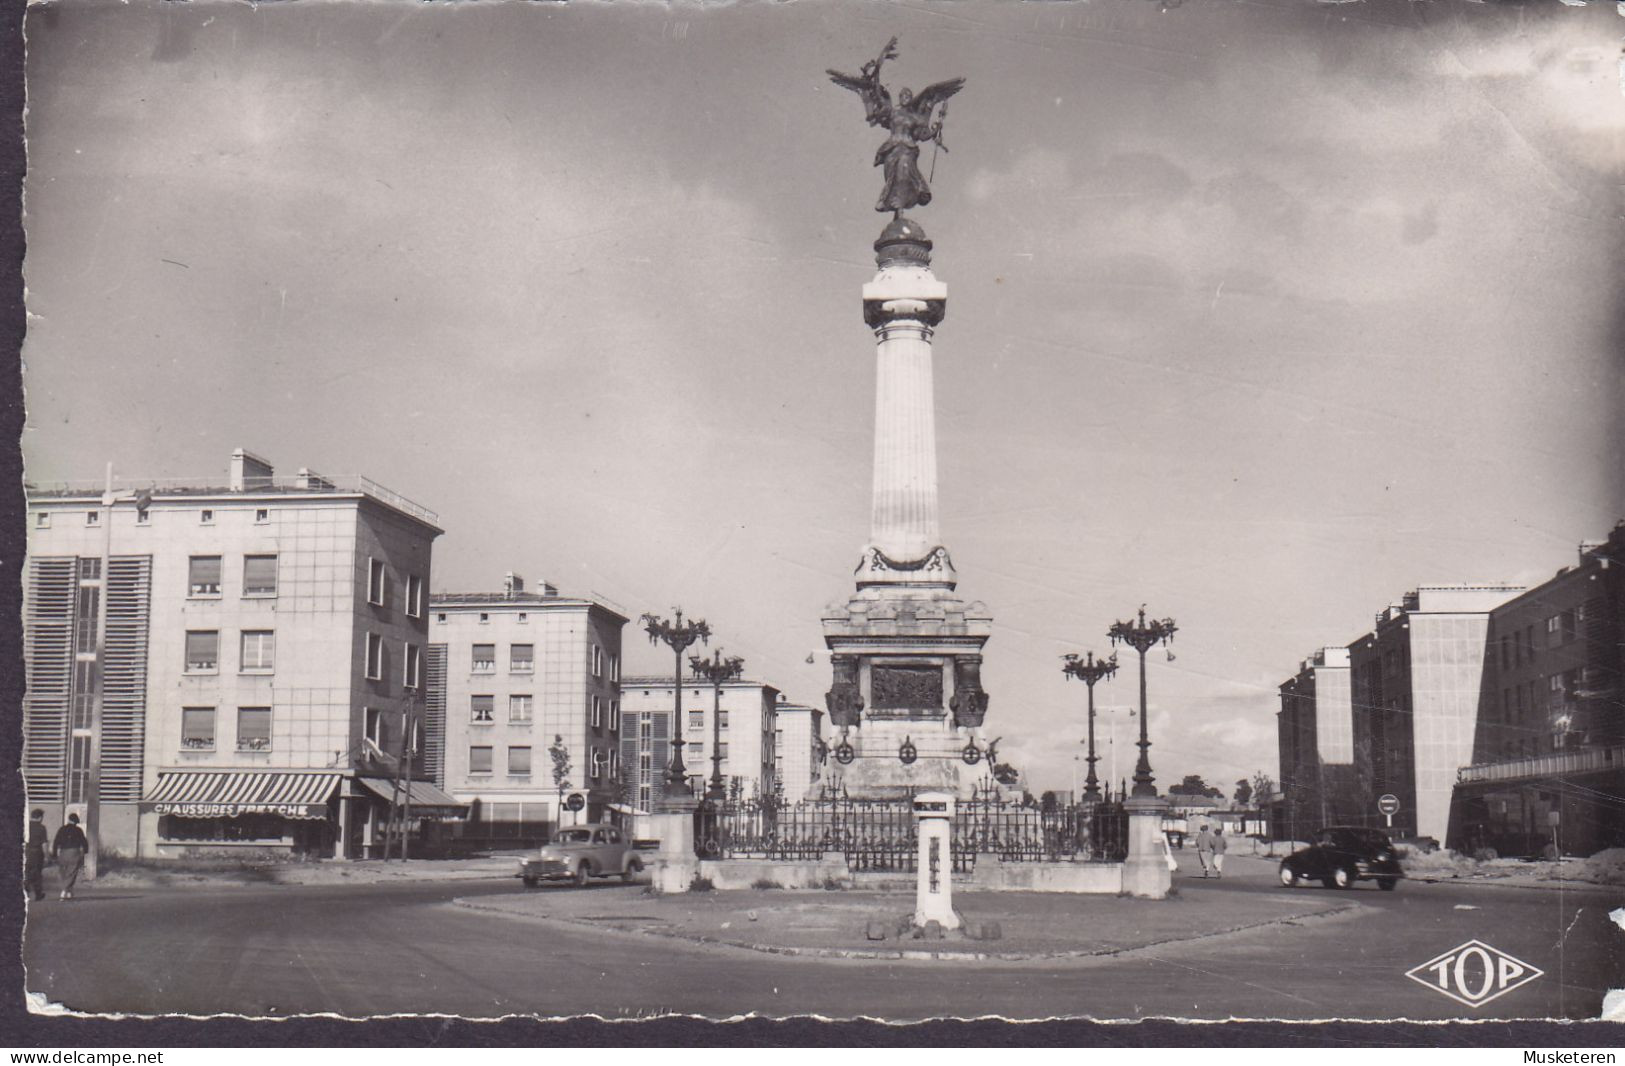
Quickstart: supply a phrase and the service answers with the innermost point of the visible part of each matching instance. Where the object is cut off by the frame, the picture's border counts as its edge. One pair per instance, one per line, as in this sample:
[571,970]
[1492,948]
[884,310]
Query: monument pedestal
[1146,874]
[675,864]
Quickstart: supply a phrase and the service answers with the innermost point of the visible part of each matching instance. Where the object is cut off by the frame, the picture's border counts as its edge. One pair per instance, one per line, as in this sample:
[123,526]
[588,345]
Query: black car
[1342,855]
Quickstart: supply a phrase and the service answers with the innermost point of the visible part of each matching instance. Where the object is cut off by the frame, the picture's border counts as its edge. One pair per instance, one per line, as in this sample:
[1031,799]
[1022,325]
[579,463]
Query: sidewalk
[835,924]
[328,872]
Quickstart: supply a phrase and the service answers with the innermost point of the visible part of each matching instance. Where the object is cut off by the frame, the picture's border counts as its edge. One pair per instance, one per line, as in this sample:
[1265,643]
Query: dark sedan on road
[1342,855]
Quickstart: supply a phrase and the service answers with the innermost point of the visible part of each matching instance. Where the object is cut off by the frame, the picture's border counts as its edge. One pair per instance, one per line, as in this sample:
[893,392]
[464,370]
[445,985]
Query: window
[372,726]
[615,668]
[595,764]
[259,650]
[253,729]
[206,516]
[202,651]
[90,569]
[519,761]
[482,709]
[722,719]
[93,518]
[440,619]
[520,708]
[90,598]
[259,575]
[262,515]
[414,596]
[143,517]
[485,618]
[197,728]
[375,657]
[597,713]
[203,575]
[375,582]
[521,658]
[523,618]
[479,759]
[485,658]
[614,715]
[696,719]
[597,661]
[1554,631]
[414,666]
[722,749]
[42,520]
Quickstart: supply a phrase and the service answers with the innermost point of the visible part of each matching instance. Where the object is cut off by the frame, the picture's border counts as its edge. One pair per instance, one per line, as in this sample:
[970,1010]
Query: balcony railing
[1555,764]
[292,484]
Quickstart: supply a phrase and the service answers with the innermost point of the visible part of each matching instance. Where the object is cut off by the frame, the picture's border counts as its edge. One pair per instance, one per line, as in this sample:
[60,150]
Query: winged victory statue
[914,119]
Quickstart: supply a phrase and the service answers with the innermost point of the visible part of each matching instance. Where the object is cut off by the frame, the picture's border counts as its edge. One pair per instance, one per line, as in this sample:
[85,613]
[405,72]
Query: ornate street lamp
[1141,636]
[677,636]
[716,670]
[1089,670]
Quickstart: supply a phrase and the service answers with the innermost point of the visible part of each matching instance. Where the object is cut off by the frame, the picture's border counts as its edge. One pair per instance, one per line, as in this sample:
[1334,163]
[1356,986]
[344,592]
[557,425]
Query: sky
[1261,312]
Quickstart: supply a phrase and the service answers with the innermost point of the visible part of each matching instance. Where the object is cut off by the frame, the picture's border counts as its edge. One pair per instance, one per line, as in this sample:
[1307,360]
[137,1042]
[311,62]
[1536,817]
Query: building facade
[1316,730]
[1548,765]
[747,723]
[1415,682]
[799,750]
[525,689]
[227,665]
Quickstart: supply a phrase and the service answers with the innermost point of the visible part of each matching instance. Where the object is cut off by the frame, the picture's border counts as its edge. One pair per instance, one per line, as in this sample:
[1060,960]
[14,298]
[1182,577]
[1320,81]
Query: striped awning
[221,794]
[426,799]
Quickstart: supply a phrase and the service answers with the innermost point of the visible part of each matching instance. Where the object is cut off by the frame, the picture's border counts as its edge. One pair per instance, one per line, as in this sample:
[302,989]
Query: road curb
[897,955]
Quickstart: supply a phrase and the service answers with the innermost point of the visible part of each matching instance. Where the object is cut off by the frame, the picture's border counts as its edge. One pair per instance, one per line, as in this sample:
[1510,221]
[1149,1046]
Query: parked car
[582,852]
[1342,855]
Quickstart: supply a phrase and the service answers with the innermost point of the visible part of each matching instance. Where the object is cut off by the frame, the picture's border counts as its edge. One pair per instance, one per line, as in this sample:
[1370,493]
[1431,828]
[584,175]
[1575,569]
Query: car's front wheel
[633,868]
[583,874]
[1342,877]
[531,882]
[1288,877]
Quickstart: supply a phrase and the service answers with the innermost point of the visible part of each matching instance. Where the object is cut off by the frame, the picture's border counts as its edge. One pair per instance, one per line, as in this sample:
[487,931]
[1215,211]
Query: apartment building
[524,689]
[1548,765]
[1316,732]
[228,664]
[745,725]
[799,750]
[1414,685]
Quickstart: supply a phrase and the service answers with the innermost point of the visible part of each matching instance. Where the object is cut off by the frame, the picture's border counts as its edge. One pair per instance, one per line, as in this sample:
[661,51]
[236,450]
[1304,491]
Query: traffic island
[879,925]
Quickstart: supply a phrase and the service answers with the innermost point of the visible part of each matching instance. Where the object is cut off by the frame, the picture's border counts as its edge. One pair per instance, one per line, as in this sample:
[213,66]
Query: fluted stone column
[903,523]
[902,305]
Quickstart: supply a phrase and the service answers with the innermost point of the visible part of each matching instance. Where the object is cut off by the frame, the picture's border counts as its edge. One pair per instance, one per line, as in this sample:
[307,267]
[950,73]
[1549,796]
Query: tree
[1244,792]
[560,755]
[1263,789]
[1193,785]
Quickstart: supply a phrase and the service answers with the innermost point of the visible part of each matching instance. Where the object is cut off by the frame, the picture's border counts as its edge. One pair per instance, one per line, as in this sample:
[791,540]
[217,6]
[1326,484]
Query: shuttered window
[259,575]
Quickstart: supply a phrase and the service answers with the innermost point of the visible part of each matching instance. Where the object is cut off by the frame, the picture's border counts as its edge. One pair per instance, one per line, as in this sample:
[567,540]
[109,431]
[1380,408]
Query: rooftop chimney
[512,584]
[249,472]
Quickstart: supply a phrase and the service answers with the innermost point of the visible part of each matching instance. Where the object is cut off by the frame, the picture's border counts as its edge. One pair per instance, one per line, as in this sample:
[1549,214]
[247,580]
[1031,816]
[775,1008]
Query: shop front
[241,814]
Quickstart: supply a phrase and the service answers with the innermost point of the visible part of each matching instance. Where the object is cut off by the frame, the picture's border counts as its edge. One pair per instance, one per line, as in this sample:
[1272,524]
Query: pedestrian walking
[34,855]
[68,849]
[1218,851]
[1204,849]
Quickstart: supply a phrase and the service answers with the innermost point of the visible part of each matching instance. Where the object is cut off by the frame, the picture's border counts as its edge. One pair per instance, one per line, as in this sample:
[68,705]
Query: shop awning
[426,799]
[226,794]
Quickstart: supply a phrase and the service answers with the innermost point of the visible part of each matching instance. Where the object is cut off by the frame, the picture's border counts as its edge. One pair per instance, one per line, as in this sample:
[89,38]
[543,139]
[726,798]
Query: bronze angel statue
[912,120]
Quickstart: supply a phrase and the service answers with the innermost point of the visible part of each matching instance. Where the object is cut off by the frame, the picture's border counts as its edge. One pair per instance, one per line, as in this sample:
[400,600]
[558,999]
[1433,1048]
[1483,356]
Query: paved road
[363,950]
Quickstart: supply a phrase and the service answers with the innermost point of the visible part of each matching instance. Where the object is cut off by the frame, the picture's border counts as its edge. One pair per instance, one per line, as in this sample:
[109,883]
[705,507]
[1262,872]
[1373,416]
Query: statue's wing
[876,100]
[932,95]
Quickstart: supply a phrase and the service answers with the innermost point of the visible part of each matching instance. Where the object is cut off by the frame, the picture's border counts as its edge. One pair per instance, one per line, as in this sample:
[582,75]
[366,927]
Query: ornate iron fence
[880,835]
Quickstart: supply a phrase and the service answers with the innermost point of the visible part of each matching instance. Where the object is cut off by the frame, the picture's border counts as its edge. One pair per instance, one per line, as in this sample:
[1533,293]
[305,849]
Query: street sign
[1388,806]
[575,802]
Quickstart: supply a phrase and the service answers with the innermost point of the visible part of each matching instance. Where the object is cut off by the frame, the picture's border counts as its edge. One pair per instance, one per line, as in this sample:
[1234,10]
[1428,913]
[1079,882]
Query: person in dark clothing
[34,855]
[69,850]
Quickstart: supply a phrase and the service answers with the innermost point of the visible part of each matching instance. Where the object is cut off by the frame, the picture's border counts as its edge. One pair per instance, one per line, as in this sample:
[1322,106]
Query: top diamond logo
[1474,973]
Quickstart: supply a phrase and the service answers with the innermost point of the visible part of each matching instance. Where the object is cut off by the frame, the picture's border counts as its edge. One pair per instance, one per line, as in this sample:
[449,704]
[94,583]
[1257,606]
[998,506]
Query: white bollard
[934,894]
